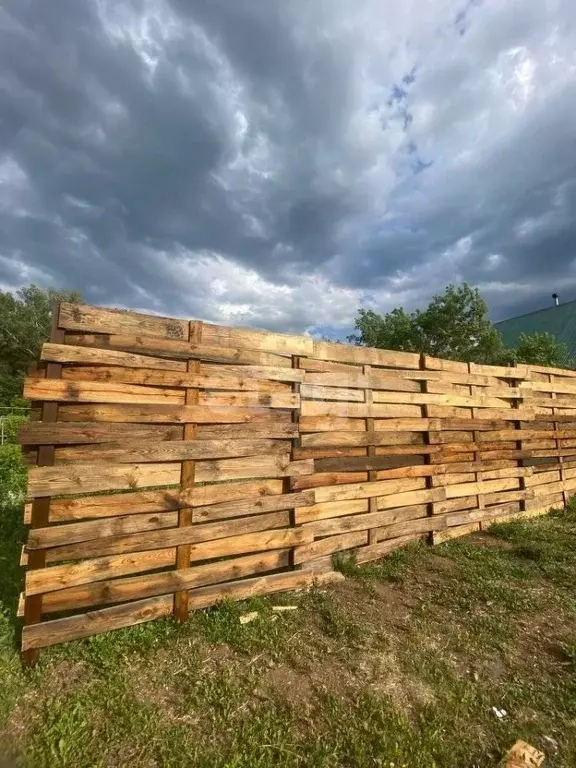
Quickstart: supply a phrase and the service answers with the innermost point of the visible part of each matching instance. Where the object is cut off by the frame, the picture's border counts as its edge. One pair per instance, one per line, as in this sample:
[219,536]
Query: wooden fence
[174,463]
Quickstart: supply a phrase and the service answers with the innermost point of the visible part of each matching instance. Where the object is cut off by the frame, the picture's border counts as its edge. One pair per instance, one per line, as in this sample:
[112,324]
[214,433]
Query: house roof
[559,321]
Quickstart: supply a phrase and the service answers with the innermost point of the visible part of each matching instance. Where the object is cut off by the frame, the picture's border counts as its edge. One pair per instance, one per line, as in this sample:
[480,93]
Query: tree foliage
[455,325]
[542,349]
[25,322]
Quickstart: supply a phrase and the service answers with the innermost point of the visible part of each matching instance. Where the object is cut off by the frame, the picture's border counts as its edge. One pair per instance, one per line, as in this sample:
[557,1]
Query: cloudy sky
[279,163]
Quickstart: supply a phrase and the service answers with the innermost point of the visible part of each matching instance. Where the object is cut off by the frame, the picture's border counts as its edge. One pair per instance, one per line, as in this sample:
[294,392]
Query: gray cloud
[278,164]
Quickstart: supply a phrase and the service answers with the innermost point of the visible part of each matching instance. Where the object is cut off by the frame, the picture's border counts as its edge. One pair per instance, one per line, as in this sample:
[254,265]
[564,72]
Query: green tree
[542,349]
[454,325]
[25,322]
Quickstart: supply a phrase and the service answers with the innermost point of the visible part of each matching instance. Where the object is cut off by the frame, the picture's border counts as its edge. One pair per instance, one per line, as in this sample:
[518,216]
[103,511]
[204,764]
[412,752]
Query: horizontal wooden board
[438,537]
[361,463]
[162,500]
[359,381]
[346,353]
[478,515]
[359,522]
[146,541]
[126,452]
[327,478]
[118,616]
[493,414]
[247,507]
[81,317]
[255,466]
[317,392]
[357,410]
[368,489]
[40,433]
[149,585]
[329,545]
[96,622]
[265,341]
[410,498]
[179,350]
[517,372]
[330,509]
[439,364]
[326,439]
[327,453]
[249,399]
[323,366]
[166,414]
[58,577]
[58,390]
[86,478]
[149,377]
[421,398]
[256,372]
[383,548]
[252,431]
[330,423]
[72,533]
[411,527]
[66,353]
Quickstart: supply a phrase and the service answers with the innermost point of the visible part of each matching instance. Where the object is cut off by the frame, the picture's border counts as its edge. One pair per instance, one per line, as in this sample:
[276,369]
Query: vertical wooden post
[40,511]
[565,494]
[187,477]
[287,482]
[518,426]
[370,449]
[427,442]
[478,474]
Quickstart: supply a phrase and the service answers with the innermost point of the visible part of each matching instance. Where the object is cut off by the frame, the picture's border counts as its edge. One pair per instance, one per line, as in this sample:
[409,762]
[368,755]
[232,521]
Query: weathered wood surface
[300,449]
[129,452]
[97,569]
[163,500]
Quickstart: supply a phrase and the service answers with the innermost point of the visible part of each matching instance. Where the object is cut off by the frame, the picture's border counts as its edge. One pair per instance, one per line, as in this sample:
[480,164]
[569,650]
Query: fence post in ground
[370,449]
[187,477]
[516,403]
[40,510]
[429,439]
[295,444]
[557,443]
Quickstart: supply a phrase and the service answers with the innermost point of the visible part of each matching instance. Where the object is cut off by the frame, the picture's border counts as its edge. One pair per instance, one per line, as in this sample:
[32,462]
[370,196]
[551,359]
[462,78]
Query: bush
[12,476]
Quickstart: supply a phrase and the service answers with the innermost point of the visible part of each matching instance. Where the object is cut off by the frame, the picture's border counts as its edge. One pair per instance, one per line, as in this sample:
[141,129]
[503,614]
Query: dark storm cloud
[280,163]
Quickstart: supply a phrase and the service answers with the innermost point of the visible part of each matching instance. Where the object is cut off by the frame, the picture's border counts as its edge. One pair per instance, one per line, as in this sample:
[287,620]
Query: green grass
[399,665]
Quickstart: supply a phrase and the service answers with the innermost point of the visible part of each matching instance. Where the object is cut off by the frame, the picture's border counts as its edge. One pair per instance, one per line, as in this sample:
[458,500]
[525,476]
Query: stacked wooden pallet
[176,463]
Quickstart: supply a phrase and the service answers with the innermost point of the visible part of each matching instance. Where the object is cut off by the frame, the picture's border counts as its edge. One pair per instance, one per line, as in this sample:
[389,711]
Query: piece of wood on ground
[522,755]
[246,618]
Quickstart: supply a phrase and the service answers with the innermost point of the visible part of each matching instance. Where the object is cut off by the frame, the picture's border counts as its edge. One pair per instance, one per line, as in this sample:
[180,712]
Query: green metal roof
[559,321]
